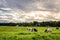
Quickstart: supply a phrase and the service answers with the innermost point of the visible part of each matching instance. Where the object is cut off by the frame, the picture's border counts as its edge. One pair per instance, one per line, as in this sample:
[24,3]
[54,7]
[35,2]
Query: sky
[32,10]
[29,5]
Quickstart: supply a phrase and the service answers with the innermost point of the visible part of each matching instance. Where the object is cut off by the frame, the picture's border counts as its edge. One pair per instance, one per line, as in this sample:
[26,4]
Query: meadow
[21,33]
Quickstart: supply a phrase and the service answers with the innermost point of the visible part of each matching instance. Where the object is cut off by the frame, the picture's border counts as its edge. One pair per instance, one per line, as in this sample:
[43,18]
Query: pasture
[21,33]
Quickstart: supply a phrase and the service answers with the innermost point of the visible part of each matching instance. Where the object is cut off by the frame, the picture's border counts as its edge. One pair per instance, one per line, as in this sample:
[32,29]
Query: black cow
[57,27]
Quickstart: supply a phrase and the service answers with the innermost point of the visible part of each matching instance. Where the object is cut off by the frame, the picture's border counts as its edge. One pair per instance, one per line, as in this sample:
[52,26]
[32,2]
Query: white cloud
[31,10]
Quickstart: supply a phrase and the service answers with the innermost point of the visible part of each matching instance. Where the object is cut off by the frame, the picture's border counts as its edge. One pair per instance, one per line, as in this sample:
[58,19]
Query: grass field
[21,33]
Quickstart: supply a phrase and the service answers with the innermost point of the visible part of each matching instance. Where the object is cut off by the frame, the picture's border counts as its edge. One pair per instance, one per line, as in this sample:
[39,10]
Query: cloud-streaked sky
[41,10]
[28,5]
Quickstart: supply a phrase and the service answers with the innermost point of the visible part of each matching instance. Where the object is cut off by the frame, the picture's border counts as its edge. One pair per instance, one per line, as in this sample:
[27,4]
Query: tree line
[35,23]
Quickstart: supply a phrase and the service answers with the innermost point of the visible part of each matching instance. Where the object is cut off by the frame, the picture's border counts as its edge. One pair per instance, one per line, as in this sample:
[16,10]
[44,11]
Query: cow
[57,27]
[32,29]
[48,30]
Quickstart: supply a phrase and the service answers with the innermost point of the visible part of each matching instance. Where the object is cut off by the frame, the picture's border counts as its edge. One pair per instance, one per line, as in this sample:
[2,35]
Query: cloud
[30,5]
[31,10]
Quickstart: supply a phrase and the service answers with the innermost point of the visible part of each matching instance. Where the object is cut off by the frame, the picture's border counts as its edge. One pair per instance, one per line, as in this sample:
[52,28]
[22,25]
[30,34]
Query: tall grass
[21,33]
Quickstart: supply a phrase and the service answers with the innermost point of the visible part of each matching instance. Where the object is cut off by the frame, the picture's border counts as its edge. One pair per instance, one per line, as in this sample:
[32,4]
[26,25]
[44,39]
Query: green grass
[21,33]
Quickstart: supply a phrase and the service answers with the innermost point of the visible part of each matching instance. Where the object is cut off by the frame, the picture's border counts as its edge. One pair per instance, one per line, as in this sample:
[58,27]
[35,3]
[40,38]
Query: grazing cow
[48,30]
[17,25]
[32,29]
[57,27]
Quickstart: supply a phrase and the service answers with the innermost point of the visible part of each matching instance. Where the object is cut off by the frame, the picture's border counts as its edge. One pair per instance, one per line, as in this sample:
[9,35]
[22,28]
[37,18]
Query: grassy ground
[21,33]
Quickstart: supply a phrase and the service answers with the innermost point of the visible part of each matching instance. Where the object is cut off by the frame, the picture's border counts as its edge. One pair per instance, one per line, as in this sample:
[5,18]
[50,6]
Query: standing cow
[32,29]
[48,30]
[57,27]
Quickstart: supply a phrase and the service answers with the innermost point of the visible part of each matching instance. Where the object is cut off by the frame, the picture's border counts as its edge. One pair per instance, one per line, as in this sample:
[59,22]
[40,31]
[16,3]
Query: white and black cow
[32,29]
